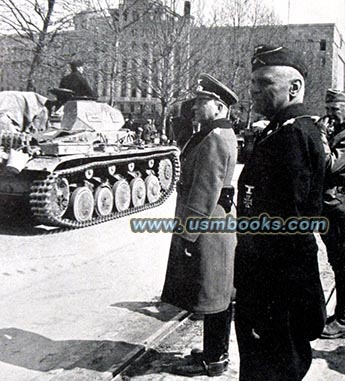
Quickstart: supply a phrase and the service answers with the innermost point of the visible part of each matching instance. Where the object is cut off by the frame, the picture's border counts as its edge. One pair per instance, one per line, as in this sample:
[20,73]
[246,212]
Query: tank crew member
[76,82]
[334,207]
[200,267]
[279,301]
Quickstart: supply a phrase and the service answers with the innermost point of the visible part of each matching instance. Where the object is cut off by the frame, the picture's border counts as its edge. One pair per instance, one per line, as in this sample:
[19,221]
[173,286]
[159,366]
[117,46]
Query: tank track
[40,191]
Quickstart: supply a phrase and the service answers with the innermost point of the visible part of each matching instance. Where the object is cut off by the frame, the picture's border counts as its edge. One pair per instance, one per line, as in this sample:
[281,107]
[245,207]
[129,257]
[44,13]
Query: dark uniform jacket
[200,267]
[276,276]
[77,83]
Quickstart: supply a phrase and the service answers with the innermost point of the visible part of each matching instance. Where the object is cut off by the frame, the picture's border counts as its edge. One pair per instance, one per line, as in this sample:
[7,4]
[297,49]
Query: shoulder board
[314,118]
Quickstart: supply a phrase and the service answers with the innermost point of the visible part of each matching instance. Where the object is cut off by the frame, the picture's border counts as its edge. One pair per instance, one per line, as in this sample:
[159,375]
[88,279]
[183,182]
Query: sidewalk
[157,363]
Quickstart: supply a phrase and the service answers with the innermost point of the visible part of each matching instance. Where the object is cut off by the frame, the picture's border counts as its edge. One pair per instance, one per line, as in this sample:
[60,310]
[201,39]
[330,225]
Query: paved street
[72,304]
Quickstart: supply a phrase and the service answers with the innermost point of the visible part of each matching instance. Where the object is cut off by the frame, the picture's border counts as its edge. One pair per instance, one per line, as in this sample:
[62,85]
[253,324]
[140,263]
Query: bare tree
[173,53]
[239,28]
[110,35]
[34,24]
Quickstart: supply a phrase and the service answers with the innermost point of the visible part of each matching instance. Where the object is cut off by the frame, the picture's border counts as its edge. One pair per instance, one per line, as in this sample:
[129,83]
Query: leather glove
[225,198]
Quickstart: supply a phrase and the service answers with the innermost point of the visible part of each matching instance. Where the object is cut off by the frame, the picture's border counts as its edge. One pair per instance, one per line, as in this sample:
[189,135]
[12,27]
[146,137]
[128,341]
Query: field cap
[333,95]
[278,56]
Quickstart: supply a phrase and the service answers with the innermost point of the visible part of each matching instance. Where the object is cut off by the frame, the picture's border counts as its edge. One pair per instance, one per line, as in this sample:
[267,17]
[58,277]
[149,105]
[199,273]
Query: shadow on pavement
[20,230]
[158,310]
[23,227]
[154,362]
[334,359]
[32,351]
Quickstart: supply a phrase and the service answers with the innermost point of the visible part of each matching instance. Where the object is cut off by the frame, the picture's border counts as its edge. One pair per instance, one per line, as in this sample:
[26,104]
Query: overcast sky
[301,11]
[311,11]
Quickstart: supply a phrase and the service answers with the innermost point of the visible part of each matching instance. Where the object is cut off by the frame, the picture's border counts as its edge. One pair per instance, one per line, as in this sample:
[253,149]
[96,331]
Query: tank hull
[35,188]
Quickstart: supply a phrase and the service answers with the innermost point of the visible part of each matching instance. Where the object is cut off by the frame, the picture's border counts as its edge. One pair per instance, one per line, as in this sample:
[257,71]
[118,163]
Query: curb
[153,340]
[166,330]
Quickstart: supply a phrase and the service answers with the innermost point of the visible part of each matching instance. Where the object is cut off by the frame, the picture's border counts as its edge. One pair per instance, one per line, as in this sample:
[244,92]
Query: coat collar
[290,112]
[204,131]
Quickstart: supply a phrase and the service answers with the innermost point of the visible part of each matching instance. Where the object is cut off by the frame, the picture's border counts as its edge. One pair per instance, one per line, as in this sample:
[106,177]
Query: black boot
[202,368]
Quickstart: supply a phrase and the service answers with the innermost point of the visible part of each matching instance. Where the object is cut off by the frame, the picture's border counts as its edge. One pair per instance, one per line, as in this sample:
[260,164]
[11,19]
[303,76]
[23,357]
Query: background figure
[279,302]
[130,123]
[200,266]
[76,82]
[183,125]
[334,206]
[149,131]
[170,128]
[22,111]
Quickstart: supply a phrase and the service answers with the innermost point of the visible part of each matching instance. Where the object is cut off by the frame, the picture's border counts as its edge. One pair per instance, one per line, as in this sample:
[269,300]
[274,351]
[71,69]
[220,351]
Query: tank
[84,169]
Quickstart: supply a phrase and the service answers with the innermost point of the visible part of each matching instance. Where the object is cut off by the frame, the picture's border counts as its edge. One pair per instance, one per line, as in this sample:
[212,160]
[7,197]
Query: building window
[323,45]
[134,92]
[132,108]
[123,89]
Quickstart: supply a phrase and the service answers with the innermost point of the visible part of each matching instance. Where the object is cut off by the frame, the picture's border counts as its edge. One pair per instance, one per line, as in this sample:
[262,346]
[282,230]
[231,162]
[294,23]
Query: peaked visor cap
[210,87]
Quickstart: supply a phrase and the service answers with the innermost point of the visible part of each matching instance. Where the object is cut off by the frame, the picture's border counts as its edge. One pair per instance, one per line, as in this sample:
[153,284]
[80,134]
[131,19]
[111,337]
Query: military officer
[279,301]
[76,82]
[334,207]
[200,266]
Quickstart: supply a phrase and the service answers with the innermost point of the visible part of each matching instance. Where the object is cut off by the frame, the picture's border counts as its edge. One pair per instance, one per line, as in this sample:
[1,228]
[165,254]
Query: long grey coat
[200,268]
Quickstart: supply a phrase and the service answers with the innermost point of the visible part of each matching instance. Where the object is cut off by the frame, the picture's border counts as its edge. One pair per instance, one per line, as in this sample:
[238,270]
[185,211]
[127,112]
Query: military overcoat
[280,303]
[199,276]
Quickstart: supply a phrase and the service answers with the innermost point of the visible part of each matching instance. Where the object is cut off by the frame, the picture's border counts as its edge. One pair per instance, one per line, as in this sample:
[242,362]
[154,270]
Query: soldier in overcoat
[200,267]
[279,302]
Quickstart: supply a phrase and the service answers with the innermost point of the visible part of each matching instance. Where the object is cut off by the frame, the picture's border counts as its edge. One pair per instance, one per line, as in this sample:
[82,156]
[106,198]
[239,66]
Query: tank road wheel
[153,188]
[122,195]
[59,197]
[83,204]
[165,173]
[104,200]
[138,191]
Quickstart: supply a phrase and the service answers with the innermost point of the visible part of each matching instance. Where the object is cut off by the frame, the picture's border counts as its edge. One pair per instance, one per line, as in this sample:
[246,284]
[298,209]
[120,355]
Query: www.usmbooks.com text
[263,224]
